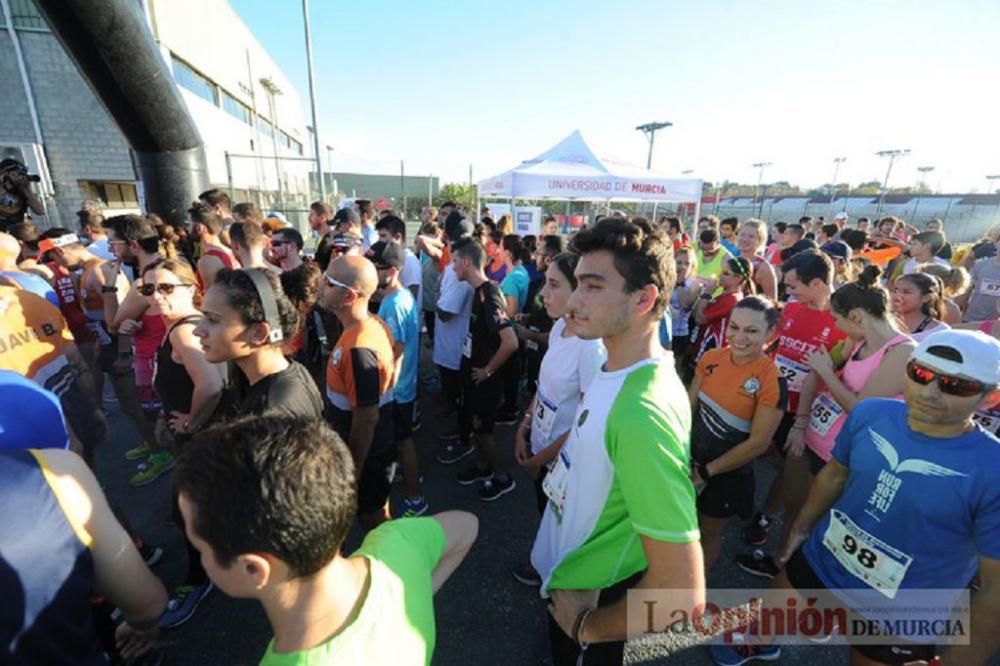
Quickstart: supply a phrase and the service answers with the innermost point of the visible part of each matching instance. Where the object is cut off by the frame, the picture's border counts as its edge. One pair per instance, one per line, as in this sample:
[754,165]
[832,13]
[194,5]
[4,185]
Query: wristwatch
[108,289]
[703,471]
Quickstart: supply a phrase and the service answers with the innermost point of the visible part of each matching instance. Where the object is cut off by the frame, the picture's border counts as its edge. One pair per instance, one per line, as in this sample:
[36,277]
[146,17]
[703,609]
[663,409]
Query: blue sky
[445,84]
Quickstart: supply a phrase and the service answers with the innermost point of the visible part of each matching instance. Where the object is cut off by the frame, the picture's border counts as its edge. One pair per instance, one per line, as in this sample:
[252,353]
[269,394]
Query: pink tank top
[986,327]
[827,416]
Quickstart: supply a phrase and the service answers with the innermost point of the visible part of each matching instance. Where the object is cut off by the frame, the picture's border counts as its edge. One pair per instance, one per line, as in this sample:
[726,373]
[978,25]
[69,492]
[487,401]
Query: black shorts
[84,415]
[481,402]
[815,462]
[802,577]
[728,494]
[107,355]
[781,434]
[402,420]
[374,483]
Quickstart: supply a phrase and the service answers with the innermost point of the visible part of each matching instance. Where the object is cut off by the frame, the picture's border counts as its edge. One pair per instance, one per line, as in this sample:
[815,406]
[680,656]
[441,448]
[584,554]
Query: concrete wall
[82,143]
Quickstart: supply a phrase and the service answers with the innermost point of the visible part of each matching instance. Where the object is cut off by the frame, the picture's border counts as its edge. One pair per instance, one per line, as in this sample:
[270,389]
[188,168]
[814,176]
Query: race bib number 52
[793,372]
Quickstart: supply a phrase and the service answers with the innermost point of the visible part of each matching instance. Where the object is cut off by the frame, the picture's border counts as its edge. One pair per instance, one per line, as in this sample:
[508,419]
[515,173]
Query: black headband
[268,301]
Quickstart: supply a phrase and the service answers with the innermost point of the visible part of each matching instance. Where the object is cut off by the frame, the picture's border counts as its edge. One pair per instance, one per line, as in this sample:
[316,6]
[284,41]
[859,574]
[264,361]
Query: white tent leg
[697,213]
[655,204]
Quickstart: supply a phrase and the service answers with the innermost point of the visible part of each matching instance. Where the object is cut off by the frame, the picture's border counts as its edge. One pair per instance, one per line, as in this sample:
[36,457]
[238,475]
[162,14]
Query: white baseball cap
[841,216]
[971,354]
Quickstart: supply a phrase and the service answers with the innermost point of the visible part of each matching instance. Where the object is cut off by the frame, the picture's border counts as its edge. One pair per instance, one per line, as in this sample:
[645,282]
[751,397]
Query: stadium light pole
[271,89]
[924,170]
[837,161]
[760,166]
[312,101]
[892,155]
[649,131]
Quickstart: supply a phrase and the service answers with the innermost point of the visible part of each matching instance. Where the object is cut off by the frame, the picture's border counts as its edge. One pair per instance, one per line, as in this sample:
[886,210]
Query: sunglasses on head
[950,385]
[164,288]
[334,282]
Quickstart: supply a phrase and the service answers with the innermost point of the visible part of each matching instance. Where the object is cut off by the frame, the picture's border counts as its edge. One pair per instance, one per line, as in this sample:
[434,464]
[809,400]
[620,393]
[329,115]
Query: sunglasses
[164,288]
[333,282]
[963,388]
[277,243]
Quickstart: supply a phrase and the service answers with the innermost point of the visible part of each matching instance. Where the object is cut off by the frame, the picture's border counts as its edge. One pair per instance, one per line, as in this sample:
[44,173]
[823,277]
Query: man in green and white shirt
[268,501]
[621,507]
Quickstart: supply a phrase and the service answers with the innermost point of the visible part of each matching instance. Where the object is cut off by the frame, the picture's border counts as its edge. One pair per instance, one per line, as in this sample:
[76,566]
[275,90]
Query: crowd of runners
[639,371]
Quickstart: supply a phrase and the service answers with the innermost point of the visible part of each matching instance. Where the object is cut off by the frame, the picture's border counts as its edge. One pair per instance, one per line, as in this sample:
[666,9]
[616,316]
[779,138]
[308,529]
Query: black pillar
[111,45]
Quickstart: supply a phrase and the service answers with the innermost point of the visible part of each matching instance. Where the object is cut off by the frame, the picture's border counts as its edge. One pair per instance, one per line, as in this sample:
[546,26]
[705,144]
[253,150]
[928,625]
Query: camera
[15,168]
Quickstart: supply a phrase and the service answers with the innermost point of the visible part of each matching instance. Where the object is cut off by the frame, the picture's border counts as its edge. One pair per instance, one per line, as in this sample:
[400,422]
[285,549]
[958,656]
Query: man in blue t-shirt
[30,416]
[911,501]
[400,313]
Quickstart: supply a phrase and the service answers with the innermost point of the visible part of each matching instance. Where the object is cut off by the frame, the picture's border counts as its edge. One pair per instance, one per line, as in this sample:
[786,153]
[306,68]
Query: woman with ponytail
[874,342]
[711,314]
[919,305]
[955,281]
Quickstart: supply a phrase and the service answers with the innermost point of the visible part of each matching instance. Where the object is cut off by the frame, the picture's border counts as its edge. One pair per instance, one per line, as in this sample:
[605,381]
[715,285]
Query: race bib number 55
[825,412]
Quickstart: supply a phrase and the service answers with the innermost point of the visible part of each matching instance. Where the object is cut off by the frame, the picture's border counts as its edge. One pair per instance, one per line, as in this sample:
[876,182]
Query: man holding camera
[16,195]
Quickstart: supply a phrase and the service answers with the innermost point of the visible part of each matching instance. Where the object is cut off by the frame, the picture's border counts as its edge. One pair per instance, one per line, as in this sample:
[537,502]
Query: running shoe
[138,452]
[416,416]
[755,532]
[494,488]
[414,507]
[448,434]
[452,453]
[506,419]
[473,474]
[735,655]
[185,602]
[155,466]
[758,564]
[151,554]
[525,574]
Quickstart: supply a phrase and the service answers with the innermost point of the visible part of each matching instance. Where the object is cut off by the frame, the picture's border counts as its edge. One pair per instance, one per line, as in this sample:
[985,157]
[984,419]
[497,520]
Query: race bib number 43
[544,416]
[865,556]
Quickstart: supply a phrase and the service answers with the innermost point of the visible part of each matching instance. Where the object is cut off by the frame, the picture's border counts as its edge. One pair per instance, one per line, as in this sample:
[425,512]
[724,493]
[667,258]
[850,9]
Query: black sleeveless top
[171,379]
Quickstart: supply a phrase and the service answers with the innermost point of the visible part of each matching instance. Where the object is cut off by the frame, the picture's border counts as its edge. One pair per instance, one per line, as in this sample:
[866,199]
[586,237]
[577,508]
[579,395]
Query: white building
[247,111]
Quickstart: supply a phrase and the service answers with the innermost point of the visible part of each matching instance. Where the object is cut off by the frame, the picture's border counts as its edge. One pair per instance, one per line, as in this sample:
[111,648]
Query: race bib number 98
[865,556]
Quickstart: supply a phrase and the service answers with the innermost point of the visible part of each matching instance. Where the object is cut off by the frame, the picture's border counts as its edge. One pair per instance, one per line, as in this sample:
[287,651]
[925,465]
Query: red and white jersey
[801,331]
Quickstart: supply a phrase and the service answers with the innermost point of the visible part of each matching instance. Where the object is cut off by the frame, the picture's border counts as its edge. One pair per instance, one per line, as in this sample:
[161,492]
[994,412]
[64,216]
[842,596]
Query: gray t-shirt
[985,290]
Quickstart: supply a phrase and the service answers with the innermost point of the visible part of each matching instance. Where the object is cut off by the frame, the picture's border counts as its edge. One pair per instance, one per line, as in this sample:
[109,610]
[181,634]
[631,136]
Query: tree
[461,193]
[869,187]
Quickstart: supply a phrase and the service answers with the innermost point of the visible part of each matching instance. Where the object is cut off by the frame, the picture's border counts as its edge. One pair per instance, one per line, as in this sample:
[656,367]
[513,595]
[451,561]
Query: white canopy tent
[571,171]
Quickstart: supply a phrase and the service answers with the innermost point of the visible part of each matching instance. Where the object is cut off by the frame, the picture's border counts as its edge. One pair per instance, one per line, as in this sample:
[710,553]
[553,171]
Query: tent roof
[571,170]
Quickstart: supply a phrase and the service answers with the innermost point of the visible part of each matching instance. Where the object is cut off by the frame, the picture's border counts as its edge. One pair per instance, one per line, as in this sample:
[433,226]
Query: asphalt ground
[483,615]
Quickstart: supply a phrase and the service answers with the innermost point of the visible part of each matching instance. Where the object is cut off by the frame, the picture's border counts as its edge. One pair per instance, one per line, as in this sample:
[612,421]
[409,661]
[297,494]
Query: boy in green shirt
[268,502]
